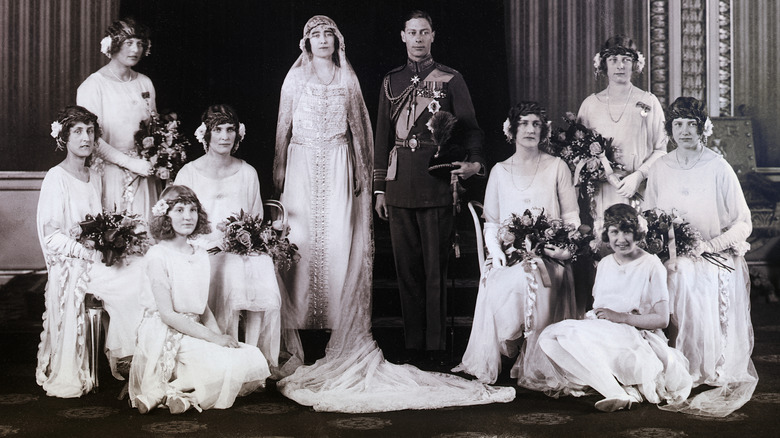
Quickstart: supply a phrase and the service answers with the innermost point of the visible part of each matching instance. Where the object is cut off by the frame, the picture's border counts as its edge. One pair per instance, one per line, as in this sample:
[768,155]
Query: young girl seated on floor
[182,359]
[619,349]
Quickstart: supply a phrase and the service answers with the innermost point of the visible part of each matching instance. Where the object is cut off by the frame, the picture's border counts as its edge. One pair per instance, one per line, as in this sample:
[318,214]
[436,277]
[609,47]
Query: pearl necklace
[118,78]
[332,77]
[609,109]
[512,173]
[677,158]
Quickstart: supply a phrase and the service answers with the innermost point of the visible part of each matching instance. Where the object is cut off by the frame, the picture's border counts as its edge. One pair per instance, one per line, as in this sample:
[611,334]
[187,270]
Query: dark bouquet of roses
[526,236]
[115,235]
[687,239]
[245,234]
[159,141]
[590,156]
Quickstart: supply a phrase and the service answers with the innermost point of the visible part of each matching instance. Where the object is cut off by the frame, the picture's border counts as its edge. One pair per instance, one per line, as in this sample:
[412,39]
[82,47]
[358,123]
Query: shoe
[178,405]
[411,357]
[614,404]
[143,405]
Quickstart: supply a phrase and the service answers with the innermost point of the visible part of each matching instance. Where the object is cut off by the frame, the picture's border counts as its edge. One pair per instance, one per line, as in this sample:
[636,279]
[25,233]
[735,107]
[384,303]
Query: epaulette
[446,69]
[396,70]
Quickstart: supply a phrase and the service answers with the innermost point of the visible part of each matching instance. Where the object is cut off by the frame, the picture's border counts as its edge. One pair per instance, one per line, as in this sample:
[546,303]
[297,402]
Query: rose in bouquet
[591,157]
[528,235]
[159,141]
[245,234]
[115,235]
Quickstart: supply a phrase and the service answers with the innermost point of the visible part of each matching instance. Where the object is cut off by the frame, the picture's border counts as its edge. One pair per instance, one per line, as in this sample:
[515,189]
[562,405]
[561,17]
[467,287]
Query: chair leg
[94,316]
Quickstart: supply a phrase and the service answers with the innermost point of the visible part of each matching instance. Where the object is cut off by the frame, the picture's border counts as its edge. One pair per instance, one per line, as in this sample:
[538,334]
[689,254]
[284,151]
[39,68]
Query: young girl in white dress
[182,359]
[227,185]
[517,300]
[619,349]
[710,304]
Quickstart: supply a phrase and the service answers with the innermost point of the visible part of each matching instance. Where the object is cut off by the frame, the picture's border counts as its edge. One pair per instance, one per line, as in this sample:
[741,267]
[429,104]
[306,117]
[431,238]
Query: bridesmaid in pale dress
[122,98]
[710,305]
[511,303]
[228,185]
[182,359]
[632,117]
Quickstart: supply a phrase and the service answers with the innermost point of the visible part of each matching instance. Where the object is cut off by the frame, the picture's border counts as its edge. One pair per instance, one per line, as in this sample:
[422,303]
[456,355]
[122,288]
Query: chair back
[274,210]
[477,217]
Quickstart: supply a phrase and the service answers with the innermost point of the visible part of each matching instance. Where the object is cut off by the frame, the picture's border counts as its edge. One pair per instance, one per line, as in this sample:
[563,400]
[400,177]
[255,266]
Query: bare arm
[658,317]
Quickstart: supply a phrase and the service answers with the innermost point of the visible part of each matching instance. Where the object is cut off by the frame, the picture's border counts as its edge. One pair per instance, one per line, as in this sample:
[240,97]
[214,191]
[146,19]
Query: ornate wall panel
[658,65]
[47,48]
[694,48]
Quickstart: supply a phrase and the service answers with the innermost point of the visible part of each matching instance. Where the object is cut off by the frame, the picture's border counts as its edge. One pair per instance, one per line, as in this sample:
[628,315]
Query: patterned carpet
[26,411]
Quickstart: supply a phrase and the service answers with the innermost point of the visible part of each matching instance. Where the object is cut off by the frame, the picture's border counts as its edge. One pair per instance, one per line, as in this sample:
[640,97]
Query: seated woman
[228,185]
[509,296]
[710,304]
[182,359]
[619,349]
[69,192]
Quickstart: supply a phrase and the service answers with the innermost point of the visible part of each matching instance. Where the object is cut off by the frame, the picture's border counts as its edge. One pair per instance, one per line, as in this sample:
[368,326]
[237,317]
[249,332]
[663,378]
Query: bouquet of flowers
[115,235]
[246,234]
[590,156]
[159,141]
[687,239]
[526,236]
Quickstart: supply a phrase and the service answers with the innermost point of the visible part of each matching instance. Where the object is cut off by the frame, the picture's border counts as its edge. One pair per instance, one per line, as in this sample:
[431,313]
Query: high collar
[418,66]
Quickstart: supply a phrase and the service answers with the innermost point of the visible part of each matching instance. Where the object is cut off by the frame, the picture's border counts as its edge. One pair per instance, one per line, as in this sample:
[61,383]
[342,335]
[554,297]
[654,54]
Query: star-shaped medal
[415,79]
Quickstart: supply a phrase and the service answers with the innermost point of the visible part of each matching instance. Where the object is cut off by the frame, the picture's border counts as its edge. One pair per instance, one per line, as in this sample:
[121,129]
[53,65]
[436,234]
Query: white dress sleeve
[567,194]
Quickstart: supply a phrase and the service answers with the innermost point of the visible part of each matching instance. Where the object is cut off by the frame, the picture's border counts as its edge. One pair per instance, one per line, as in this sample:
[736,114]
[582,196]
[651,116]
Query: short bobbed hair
[161,226]
[217,115]
[526,108]
[124,29]
[625,218]
[69,116]
[417,14]
[618,45]
[686,108]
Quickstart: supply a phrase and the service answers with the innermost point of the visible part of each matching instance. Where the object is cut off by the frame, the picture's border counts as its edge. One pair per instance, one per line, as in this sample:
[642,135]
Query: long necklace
[512,172]
[677,157]
[609,109]
[118,78]
[332,77]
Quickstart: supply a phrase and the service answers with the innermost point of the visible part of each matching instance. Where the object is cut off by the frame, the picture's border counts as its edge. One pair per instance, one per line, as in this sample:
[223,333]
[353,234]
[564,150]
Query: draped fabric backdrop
[47,48]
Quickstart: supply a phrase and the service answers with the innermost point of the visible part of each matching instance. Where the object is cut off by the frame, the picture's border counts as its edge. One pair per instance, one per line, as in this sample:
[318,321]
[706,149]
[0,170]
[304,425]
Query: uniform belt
[412,143]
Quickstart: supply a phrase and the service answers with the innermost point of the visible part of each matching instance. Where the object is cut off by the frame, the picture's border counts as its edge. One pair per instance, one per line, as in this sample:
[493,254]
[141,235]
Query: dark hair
[121,30]
[216,115]
[161,226]
[625,218]
[618,45]
[417,14]
[69,116]
[686,108]
[334,56]
[525,108]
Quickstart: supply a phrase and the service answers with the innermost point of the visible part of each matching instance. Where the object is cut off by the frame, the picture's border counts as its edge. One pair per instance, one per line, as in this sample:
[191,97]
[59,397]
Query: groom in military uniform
[417,204]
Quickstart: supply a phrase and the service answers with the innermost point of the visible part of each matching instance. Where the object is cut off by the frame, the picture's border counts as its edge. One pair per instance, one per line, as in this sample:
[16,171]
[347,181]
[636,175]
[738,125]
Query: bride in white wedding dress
[354,376]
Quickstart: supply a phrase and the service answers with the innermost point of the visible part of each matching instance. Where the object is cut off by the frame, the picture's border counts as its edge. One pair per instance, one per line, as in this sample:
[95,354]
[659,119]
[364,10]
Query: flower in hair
[56,127]
[597,61]
[200,133]
[148,48]
[507,132]
[707,131]
[160,208]
[641,225]
[640,62]
[105,46]
[241,131]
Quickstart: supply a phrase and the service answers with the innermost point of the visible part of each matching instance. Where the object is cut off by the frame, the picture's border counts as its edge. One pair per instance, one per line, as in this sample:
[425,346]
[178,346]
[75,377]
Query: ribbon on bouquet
[672,247]
[531,267]
[602,158]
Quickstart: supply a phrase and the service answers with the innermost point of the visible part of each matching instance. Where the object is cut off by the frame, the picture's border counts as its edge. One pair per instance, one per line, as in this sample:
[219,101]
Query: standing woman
[122,98]
[633,118]
[227,185]
[506,303]
[710,305]
[322,169]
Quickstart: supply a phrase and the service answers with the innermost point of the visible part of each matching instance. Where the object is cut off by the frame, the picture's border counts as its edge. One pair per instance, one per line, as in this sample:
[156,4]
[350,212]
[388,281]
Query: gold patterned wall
[47,48]
[551,46]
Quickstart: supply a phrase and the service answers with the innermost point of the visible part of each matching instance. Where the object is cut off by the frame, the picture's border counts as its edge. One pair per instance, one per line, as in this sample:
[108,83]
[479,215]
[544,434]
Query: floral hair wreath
[639,224]
[639,58]
[200,133]
[105,46]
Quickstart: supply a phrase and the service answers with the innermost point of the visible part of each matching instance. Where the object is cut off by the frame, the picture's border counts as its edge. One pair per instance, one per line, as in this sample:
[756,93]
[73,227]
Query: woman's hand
[610,315]
[557,252]
[499,259]
[630,184]
[139,166]
[226,341]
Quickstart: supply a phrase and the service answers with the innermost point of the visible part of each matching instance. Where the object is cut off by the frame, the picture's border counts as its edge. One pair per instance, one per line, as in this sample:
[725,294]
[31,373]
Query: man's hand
[380,207]
[466,169]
